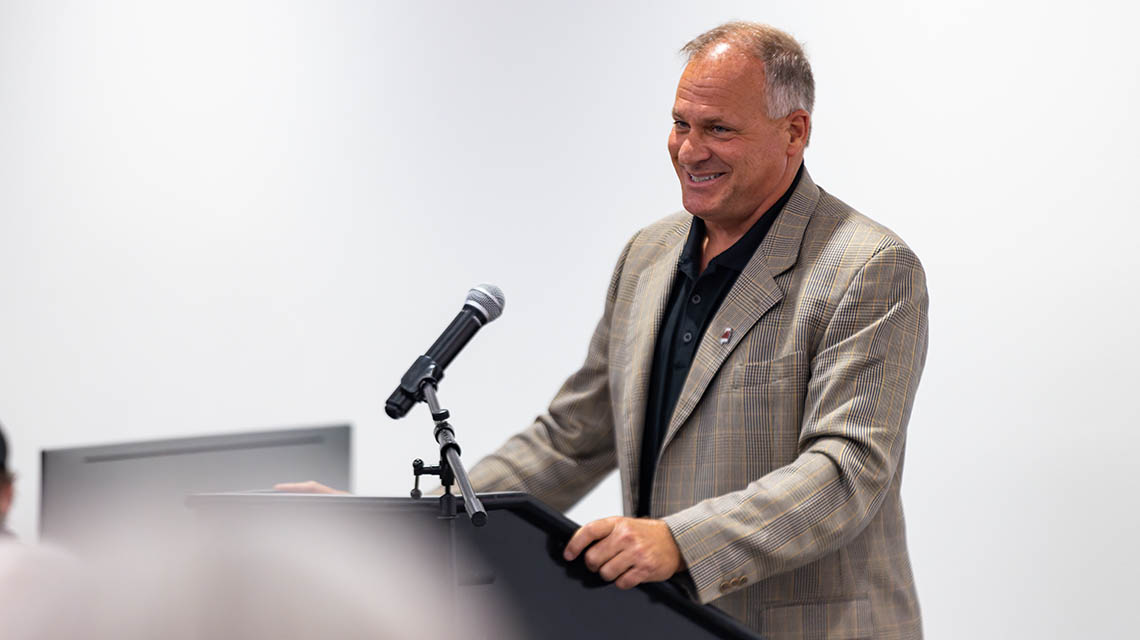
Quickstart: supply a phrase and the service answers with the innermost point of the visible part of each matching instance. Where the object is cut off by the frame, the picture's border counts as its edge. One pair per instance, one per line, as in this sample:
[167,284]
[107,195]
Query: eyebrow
[709,122]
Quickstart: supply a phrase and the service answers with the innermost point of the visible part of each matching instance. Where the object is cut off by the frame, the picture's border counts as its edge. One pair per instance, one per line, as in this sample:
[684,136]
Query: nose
[692,150]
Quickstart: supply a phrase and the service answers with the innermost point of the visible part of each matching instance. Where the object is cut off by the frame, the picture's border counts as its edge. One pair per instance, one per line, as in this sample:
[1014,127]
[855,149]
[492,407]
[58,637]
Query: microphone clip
[423,371]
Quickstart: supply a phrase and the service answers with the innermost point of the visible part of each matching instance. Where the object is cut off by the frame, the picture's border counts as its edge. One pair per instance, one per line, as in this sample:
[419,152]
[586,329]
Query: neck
[720,235]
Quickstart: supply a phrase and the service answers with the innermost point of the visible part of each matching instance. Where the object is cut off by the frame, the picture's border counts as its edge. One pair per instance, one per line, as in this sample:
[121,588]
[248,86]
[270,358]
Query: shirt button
[688,337]
[696,299]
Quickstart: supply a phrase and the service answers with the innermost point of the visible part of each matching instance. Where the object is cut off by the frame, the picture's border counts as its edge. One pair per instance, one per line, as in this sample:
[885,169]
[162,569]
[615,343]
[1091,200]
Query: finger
[631,578]
[309,486]
[616,566]
[603,551]
[585,535]
[293,487]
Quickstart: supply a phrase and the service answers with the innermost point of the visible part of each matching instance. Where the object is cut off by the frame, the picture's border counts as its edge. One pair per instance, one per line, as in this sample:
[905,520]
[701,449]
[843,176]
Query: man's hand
[309,486]
[629,550]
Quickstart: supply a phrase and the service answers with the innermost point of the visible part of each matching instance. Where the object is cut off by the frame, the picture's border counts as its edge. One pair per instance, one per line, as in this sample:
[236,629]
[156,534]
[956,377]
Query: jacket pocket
[793,366]
[820,620]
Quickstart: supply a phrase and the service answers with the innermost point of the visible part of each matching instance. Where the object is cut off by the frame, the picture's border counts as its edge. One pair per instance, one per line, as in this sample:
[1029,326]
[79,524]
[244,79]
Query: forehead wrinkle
[712,103]
[731,75]
[696,116]
[709,92]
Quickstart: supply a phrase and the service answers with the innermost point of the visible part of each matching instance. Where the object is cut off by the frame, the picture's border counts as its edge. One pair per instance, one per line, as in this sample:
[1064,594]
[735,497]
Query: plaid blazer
[780,470]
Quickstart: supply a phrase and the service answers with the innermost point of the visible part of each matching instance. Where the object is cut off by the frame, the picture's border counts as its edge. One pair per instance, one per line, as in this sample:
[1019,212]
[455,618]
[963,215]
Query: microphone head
[488,300]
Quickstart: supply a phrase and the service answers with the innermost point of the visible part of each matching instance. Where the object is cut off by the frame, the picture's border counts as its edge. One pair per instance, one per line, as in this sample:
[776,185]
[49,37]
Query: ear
[799,131]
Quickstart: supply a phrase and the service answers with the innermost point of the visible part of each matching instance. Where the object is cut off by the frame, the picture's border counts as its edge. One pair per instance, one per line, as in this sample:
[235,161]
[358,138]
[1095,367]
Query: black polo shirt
[693,301]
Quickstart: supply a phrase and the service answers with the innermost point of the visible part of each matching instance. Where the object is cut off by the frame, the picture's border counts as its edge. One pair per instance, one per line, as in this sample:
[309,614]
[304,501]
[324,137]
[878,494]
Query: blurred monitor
[95,495]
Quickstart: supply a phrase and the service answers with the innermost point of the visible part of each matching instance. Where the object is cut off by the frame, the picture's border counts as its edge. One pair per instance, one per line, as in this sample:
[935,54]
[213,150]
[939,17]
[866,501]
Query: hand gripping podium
[515,560]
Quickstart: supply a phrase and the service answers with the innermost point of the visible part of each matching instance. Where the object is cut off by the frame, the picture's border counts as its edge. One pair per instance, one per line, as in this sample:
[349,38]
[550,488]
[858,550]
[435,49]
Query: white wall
[220,216]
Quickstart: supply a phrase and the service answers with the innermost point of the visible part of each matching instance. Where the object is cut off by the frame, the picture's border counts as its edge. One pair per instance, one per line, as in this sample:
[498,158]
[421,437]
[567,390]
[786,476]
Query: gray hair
[789,85]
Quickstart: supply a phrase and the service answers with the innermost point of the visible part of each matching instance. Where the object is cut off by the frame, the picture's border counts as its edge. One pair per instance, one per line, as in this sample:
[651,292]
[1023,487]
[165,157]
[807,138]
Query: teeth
[704,179]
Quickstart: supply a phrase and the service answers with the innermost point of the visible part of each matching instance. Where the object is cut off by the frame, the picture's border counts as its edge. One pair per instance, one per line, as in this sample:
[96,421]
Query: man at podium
[751,377]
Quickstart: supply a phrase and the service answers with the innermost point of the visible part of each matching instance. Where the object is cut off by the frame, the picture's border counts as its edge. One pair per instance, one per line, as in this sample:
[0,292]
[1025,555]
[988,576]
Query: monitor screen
[93,495]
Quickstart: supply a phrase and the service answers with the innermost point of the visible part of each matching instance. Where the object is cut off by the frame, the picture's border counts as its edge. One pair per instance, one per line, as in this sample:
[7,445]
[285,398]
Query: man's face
[730,157]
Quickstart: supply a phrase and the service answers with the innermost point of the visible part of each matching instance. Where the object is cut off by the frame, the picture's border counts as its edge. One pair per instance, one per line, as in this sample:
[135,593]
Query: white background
[223,216]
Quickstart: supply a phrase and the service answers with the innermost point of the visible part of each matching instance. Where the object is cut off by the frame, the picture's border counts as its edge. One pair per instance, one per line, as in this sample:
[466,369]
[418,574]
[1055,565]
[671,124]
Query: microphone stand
[425,380]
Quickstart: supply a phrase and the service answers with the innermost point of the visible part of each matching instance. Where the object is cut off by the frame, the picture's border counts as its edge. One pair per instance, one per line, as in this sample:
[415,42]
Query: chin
[700,209]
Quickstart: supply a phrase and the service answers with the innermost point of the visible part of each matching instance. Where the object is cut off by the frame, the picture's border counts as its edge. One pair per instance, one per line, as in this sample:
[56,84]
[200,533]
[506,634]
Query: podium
[515,559]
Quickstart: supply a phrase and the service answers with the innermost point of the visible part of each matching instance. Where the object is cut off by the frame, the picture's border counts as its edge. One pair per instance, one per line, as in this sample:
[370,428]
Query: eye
[717,129]
[680,125]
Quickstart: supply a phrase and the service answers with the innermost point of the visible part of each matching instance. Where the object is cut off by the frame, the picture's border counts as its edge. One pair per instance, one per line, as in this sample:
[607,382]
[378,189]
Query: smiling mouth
[703,179]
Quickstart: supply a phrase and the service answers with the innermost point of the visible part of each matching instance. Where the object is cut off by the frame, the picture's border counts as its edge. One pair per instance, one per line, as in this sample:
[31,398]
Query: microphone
[484,303]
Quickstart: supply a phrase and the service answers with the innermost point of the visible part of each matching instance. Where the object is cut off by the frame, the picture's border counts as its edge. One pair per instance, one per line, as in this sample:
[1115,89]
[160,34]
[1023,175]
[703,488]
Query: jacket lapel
[650,298]
[751,296]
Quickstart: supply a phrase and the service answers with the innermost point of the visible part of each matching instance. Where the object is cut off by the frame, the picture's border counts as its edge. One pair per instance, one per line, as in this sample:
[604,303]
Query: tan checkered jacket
[780,471]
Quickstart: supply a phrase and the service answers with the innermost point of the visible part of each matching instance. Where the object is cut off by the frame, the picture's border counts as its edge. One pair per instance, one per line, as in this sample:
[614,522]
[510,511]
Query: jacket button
[725,586]
[743,580]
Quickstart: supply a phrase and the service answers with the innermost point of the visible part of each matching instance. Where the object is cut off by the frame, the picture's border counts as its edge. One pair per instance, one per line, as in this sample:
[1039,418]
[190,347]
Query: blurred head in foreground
[268,578]
[7,480]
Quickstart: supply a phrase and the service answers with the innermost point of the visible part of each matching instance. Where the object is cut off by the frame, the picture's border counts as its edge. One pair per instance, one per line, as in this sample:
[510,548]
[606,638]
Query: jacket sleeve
[570,448]
[863,379]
